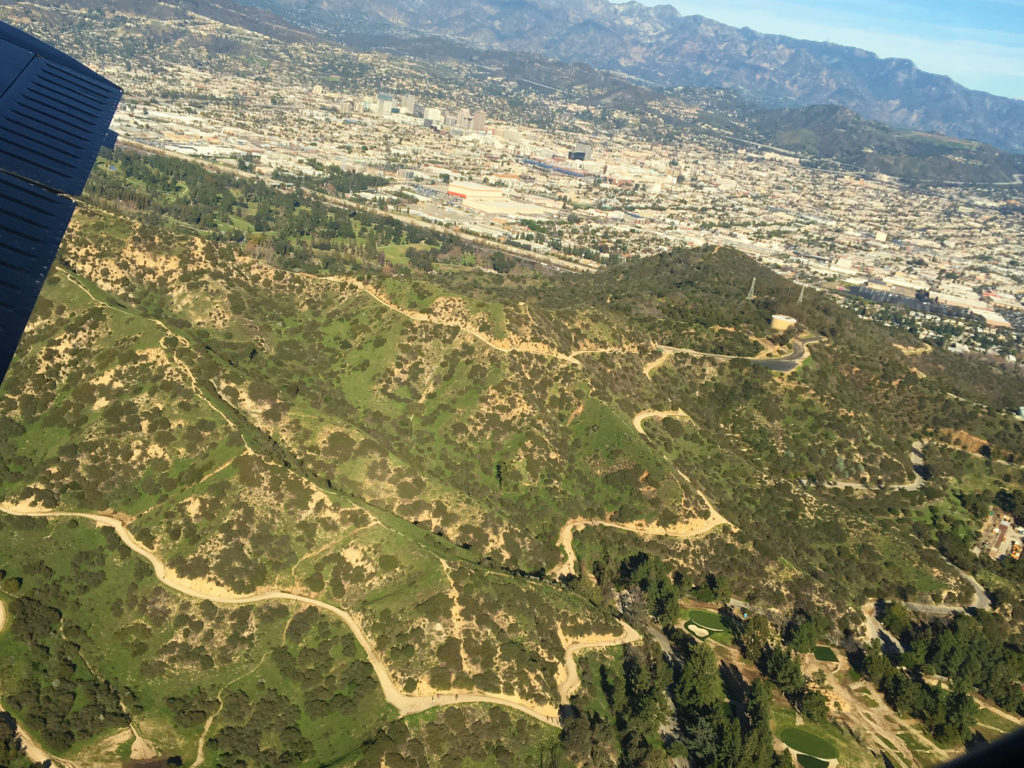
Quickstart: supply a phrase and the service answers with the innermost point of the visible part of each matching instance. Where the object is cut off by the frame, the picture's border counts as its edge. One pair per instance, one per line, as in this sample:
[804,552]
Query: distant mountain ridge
[660,45]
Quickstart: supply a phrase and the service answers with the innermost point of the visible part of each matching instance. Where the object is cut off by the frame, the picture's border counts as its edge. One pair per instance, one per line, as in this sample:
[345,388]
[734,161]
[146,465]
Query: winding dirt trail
[571,682]
[640,418]
[681,531]
[689,529]
[405,704]
[532,348]
[201,748]
[652,366]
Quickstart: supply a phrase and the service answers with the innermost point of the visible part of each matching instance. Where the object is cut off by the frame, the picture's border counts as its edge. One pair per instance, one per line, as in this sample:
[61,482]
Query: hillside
[369,467]
[660,46]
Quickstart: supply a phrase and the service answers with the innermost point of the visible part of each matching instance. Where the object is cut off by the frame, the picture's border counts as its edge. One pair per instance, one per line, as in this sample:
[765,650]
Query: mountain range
[659,45]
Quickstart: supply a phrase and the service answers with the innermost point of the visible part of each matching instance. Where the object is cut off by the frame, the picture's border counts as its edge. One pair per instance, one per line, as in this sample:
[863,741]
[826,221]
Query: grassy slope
[275,428]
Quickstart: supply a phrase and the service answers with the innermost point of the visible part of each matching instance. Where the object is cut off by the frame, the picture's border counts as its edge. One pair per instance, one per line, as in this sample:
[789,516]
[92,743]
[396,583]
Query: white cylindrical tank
[782,323]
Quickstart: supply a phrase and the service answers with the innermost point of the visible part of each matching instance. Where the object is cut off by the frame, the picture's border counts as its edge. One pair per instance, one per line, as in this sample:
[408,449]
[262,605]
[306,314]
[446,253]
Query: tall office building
[479,121]
[433,117]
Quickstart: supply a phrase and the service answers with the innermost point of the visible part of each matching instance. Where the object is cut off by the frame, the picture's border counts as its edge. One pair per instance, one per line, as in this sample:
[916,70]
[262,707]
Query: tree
[814,706]
[755,636]
[897,619]
[502,263]
[697,685]
[804,632]
[647,679]
[783,669]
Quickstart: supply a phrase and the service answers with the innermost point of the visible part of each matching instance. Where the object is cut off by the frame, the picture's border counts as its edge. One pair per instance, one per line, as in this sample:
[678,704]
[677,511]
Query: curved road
[406,704]
[980,600]
[786,364]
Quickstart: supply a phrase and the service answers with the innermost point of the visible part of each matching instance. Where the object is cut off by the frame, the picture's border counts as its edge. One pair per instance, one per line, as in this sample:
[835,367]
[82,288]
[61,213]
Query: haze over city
[979,44]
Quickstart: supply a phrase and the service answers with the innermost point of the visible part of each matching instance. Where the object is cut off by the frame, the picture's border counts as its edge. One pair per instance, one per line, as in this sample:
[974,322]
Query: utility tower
[750,293]
[801,299]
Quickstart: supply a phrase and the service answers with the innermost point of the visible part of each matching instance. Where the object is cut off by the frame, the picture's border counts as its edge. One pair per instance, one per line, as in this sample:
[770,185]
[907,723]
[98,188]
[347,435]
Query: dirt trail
[201,748]
[224,466]
[1011,716]
[681,531]
[873,627]
[640,418]
[916,460]
[689,529]
[571,682]
[141,748]
[599,351]
[534,348]
[877,726]
[172,357]
[652,366]
[404,703]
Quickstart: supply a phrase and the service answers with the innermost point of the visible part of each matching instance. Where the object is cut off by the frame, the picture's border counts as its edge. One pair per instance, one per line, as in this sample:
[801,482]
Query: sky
[979,44]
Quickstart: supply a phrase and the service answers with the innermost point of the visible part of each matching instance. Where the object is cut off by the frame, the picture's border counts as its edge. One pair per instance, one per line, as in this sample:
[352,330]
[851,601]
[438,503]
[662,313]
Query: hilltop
[367,471]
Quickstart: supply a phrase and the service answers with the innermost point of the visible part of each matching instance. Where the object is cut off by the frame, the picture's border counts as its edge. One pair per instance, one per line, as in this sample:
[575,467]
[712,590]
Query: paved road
[786,364]
[790,362]
[980,601]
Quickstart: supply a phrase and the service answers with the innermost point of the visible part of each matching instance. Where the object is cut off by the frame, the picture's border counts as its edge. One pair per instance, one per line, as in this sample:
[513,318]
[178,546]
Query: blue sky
[979,44]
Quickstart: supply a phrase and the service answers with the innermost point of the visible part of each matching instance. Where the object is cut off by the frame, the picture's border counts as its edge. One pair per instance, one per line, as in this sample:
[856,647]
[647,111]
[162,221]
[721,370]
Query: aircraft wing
[54,116]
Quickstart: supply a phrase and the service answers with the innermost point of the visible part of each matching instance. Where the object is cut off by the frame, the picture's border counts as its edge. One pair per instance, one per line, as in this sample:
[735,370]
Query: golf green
[808,743]
[708,620]
[824,653]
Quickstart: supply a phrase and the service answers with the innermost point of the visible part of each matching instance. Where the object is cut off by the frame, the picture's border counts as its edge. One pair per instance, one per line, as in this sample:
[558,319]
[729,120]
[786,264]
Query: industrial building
[471,191]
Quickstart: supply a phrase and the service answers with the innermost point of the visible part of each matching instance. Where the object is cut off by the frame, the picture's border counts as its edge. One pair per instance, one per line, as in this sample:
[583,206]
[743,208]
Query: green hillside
[349,480]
